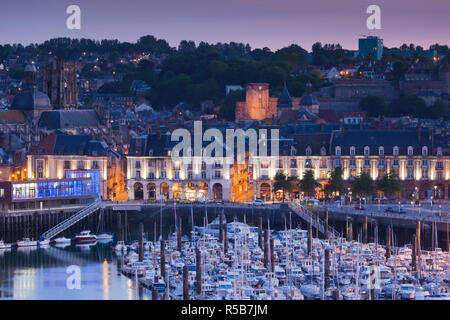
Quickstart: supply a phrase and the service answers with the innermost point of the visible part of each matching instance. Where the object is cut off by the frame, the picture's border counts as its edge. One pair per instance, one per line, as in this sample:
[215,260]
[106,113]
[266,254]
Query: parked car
[258,202]
[389,209]
[401,210]
[358,207]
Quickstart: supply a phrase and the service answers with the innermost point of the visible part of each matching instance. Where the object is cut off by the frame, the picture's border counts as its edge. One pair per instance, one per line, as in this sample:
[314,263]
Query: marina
[275,252]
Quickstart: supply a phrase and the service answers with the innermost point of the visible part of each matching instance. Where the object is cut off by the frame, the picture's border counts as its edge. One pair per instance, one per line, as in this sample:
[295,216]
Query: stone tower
[59,82]
[257,103]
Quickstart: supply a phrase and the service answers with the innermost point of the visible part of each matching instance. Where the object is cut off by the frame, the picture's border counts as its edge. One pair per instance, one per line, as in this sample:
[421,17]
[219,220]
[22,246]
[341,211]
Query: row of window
[352,163]
[81,164]
[151,175]
[381,151]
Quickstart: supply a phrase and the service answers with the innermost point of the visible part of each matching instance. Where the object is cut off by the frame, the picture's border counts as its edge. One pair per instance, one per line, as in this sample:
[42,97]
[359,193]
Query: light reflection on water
[40,274]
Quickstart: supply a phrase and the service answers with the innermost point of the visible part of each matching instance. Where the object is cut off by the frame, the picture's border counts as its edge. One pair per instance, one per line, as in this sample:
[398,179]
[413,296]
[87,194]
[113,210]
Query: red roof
[329,116]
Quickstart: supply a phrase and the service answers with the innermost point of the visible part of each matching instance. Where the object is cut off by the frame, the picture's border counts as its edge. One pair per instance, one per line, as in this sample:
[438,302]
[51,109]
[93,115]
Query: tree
[228,109]
[390,184]
[363,185]
[439,109]
[284,183]
[373,105]
[308,184]
[335,183]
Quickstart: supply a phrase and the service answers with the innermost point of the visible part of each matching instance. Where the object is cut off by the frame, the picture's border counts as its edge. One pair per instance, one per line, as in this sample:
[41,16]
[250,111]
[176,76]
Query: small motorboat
[120,246]
[44,242]
[4,245]
[85,237]
[62,240]
[26,242]
[105,236]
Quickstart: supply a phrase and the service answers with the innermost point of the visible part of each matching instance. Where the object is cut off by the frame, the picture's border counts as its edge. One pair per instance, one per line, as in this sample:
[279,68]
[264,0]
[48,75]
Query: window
[138,174]
[352,151]
[381,151]
[424,173]
[410,151]
[308,163]
[424,151]
[80,164]
[95,164]
[293,163]
[439,165]
[189,166]
[203,175]
[203,166]
[337,163]
[163,174]
[410,163]
[163,164]
[150,163]
[338,151]
[190,175]
[352,163]
[217,174]
[439,176]
[308,151]
[381,163]
[366,163]
[138,164]
[366,151]
[67,165]
[395,151]
[177,175]
[151,175]
[424,163]
[40,164]
[264,164]
[279,164]
[410,174]
[395,163]
[323,163]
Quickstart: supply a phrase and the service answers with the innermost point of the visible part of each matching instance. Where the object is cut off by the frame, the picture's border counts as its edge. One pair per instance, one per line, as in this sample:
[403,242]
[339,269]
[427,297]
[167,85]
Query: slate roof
[65,144]
[385,138]
[66,119]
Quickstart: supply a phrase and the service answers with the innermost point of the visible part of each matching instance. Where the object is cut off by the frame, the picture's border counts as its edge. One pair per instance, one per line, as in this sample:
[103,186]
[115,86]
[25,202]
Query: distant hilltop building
[371,45]
[59,82]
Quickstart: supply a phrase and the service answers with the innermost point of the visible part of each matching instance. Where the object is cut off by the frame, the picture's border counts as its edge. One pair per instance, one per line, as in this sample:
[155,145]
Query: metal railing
[80,215]
[310,217]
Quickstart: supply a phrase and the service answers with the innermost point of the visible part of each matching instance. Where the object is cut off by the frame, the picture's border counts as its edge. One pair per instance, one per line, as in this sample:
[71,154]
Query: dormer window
[338,151]
[410,151]
[381,151]
[395,152]
[352,151]
[150,152]
[323,151]
[439,151]
[366,151]
[293,151]
[308,151]
[424,151]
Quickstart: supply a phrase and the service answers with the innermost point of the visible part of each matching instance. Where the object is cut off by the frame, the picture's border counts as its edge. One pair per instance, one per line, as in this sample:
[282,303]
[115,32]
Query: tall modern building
[371,45]
[59,82]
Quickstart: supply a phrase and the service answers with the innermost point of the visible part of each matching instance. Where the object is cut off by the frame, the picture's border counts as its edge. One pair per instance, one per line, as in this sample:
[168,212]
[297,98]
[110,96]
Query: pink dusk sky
[259,23]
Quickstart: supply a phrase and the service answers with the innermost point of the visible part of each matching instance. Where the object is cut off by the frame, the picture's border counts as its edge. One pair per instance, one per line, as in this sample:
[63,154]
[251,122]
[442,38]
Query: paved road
[436,212]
